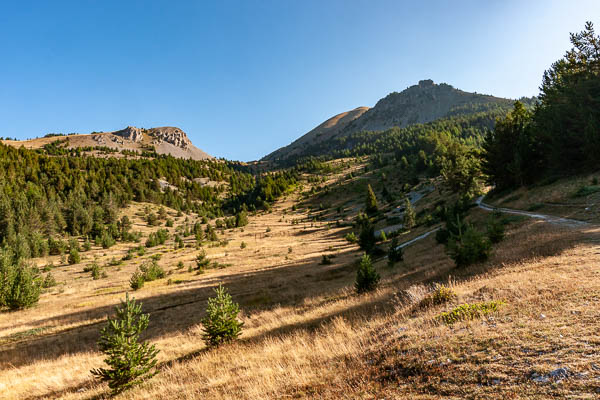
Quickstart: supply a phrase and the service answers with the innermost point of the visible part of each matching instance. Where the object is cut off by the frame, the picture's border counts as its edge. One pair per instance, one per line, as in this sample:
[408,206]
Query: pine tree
[367,278]
[74,256]
[221,323]
[130,361]
[371,201]
[409,215]
[395,253]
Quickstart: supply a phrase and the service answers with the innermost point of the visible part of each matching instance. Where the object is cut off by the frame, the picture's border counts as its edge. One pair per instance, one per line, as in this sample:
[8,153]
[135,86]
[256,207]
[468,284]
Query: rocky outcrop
[170,134]
[131,133]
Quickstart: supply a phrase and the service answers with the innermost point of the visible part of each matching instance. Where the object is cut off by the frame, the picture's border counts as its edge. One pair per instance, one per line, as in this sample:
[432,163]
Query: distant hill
[323,132]
[166,140]
[418,104]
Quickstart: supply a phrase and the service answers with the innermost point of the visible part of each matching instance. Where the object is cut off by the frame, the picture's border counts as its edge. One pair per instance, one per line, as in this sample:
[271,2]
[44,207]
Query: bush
[96,272]
[351,238]
[152,271]
[202,261]
[107,241]
[441,294]
[367,277]
[74,256]
[467,312]
[468,247]
[49,281]
[137,280]
[243,245]
[326,260]
[20,285]
[130,362]
[395,253]
[366,238]
[495,230]
[221,322]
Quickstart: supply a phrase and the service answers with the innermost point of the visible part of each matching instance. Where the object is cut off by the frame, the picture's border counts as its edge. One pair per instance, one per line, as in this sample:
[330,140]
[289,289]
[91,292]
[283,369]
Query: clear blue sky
[244,78]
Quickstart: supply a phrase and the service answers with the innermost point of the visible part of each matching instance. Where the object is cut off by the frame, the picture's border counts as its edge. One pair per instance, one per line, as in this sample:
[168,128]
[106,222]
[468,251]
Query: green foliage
[157,238]
[243,245]
[241,219]
[152,271]
[107,240]
[370,201]
[469,246]
[468,312]
[202,262]
[366,237]
[95,271]
[367,278]
[395,253]
[20,283]
[495,229]
[326,260]
[74,256]
[221,323]
[48,281]
[351,237]
[410,217]
[441,294]
[137,280]
[130,361]
[561,136]
[586,191]
[459,164]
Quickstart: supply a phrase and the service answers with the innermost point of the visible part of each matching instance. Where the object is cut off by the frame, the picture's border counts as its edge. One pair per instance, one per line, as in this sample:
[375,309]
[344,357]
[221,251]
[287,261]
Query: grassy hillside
[307,333]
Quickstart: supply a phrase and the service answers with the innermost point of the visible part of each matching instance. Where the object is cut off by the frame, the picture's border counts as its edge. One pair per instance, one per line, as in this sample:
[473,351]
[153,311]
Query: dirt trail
[548,218]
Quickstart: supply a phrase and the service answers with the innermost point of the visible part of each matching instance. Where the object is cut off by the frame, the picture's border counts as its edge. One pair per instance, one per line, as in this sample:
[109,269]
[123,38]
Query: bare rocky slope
[166,140]
[421,103]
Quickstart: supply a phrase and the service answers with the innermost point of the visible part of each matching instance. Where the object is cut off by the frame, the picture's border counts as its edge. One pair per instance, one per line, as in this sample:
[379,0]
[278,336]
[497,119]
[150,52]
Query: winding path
[548,218]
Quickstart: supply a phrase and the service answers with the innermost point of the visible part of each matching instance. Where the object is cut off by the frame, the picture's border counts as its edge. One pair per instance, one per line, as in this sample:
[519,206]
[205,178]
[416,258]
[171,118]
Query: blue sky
[244,78]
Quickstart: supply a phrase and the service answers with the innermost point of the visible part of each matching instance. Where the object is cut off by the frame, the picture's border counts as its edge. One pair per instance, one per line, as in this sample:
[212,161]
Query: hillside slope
[166,140]
[324,131]
[418,104]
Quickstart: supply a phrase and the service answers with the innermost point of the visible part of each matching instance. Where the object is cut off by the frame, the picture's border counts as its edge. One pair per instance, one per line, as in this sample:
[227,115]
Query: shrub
[326,260]
[241,219]
[152,271]
[495,230]
[74,256]
[441,294]
[130,361]
[96,272]
[87,245]
[395,253]
[221,323]
[367,277]
[180,265]
[467,312]
[351,237]
[366,238]
[410,218]
[468,247]
[169,223]
[49,281]
[20,285]
[243,245]
[370,201]
[202,261]
[137,280]
[107,241]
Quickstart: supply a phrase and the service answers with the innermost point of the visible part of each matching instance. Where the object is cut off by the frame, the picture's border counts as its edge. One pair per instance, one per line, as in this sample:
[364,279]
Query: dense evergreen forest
[561,136]
[43,196]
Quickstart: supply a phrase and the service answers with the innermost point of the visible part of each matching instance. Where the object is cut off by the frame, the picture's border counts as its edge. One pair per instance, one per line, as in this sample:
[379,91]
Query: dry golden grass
[308,335]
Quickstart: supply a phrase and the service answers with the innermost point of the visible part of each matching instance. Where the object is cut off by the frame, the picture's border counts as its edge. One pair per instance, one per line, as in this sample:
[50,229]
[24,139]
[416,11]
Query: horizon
[261,74]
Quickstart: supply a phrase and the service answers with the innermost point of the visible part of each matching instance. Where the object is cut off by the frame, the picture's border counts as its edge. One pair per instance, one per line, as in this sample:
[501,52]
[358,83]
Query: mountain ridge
[165,140]
[421,103]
